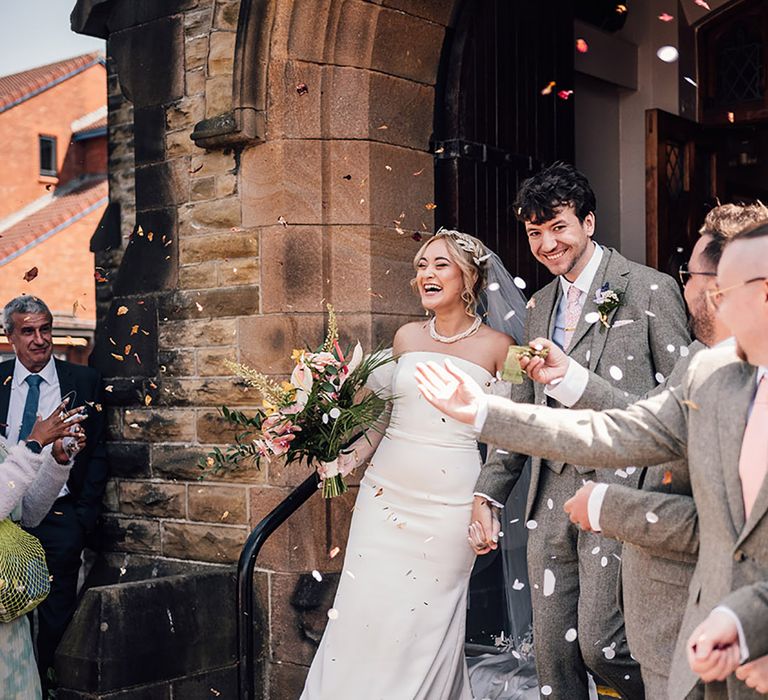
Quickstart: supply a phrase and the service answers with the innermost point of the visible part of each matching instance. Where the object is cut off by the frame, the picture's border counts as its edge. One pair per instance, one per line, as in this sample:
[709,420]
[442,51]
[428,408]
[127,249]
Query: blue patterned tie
[29,416]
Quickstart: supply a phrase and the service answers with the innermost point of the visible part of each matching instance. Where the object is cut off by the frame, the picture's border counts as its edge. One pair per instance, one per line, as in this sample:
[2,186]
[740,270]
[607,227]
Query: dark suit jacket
[88,477]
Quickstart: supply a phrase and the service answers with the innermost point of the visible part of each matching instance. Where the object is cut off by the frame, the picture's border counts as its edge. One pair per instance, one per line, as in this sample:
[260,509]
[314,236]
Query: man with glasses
[715,425]
[657,559]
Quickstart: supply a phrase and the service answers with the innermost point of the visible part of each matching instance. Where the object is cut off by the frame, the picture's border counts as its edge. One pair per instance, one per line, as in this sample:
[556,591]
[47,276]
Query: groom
[619,319]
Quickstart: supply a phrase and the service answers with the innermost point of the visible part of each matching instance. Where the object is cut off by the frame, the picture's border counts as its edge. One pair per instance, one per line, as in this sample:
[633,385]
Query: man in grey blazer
[607,313]
[657,559]
[699,428]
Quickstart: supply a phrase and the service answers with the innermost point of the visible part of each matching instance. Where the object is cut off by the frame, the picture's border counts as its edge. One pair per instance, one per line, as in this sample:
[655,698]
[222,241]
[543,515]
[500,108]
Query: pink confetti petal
[703,3]
[666,17]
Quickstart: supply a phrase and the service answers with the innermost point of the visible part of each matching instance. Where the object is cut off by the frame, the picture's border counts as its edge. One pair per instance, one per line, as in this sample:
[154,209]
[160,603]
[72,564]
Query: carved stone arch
[244,124]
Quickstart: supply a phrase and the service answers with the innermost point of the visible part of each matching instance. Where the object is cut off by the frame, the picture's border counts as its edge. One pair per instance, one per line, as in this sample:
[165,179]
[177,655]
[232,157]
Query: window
[48,156]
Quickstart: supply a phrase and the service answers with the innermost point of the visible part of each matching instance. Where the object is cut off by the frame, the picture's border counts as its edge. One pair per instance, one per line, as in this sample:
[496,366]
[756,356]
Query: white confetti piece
[317,575]
[630,470]
[670,348]
[588,355]
[518,585]
[550,503]
[623,322]
[333,614]
[603,561]
[531,524]
[684,351]
[651,517]
[493,287]
[595,550]
[429,539]
[549,583]
[660,377]
[571,634]
[104,626]
[621,473]
[350,574]
[654,287]
[325,418]
[651,314]
[519,283]
[546,690]
[509,315]
[592,317]
[630,357]
[609,653]
[334,413]
[615,372]
[695,84]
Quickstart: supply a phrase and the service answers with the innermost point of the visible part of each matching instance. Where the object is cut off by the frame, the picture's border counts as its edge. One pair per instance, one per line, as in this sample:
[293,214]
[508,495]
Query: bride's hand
[450,390]
[545,370]
[485,527]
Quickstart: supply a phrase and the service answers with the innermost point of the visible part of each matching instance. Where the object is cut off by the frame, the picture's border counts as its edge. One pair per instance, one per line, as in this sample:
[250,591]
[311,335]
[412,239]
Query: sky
[36,32]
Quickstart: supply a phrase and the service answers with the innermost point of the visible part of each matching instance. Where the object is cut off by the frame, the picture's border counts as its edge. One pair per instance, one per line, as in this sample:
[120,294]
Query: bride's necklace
[454,338]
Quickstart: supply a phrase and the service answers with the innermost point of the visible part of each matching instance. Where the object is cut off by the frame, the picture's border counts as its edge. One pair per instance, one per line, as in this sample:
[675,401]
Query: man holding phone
[34,384]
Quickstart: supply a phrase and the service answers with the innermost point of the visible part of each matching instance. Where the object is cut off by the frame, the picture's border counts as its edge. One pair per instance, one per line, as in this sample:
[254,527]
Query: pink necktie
[572,313]
[753,461]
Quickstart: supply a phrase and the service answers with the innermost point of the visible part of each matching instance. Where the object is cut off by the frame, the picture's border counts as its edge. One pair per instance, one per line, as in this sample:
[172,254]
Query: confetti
[418,172]
[582,46]
[691,81]
[199,306]
[660,378]
[684,351]
[564,94]
[494,287]
[119,358]
[631,470]
[109,388]
[549,583]
[616,373]
[333,614]
[531,524]
[430,206]
[592,317]
[571,634]
[609,652]
[122,310]
[282,220]
[519,282]
[666,17]
[603,561]
[690,404]
[667,479]
[548,89]
[302,89]
[134,329]
[670,348]
[731,119]
[621,9]
[595,550]
[668,54]
[550,503]
[334,552]
[30,274]
[651,517]
[546,690]
[703,3]
[317,575]
[518,585]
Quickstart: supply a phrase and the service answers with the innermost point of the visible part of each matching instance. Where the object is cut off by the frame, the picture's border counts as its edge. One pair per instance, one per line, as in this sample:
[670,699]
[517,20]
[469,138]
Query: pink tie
[572,313]
[753,461]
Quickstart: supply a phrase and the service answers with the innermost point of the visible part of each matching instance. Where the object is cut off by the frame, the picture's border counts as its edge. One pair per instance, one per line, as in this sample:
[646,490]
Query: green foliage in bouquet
[312,418]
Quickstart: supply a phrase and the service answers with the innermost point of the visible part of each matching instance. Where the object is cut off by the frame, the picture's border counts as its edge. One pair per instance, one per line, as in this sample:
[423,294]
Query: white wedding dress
[397,632]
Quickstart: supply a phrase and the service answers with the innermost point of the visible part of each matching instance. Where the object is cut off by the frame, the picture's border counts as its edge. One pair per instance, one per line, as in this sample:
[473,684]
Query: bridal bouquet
[312,417]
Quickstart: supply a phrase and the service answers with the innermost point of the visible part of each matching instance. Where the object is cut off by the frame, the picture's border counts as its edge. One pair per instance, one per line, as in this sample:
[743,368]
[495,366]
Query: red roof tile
[95,126]
[17,87]
[63,210]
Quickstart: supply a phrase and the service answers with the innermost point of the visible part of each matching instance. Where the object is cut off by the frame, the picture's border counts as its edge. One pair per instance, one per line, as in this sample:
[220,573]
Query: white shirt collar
[730,341]
[48,373]
[584,281]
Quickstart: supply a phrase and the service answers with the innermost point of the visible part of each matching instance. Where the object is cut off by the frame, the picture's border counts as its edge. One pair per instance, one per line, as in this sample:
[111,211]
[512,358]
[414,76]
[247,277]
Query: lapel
[604,271]
[6,379]
[67,383]
[732,407]
[542,317]
[761,502]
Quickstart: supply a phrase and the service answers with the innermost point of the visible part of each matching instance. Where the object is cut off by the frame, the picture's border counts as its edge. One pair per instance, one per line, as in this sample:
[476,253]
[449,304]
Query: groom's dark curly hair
[558,185]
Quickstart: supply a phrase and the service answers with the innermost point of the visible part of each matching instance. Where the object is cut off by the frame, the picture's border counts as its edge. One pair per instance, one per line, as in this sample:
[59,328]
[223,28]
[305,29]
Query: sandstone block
[212,429]
[196,333]
[207,392]
[266,341]
[176,363]
[295,114]
[196,52]
[212,163]
[218,94]
[198,23]
[437,11]
[355,34]
[238,271]
[180,462]
[194,82]
[130,534]
[213,247]
[282,179]
[128,458]
[231,301]
[218,504]
[202,188]
[185,113]
[178,144]
[153,499]
[226,185]
[221,53]
[211,362]
[214,543]
[286,680]
[214,214]
[292,269]
[405,107]
[348,103]
[198,275]
[226,15]
[159,425]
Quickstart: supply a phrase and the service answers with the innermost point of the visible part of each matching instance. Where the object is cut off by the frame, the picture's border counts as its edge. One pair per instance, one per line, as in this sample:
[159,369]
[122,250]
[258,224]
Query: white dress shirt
[50,398]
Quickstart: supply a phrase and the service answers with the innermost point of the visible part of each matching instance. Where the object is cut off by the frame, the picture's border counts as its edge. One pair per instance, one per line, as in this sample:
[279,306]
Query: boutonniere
[607,300]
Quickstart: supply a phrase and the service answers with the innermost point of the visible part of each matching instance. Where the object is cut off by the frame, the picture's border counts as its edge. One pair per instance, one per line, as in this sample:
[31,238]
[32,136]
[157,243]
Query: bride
[396,631]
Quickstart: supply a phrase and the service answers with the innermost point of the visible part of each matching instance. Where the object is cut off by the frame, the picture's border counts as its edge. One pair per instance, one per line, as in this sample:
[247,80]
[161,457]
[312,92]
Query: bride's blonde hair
[470,255]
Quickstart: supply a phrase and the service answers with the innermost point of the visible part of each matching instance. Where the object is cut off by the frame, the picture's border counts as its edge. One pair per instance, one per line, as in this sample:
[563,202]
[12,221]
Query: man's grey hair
[25,304]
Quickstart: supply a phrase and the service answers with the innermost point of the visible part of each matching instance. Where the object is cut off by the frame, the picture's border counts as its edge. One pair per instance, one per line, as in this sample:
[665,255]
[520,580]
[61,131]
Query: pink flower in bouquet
[318,361]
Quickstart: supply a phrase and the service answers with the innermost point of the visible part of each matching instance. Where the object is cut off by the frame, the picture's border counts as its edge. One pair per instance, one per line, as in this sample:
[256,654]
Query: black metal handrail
[245,567]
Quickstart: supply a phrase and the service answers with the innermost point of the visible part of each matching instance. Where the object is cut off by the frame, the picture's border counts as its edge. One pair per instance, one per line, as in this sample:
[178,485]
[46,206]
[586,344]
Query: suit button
[738,555]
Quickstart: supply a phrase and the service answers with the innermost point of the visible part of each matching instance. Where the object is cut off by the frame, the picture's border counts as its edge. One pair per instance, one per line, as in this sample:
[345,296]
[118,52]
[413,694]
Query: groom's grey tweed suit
[650,320]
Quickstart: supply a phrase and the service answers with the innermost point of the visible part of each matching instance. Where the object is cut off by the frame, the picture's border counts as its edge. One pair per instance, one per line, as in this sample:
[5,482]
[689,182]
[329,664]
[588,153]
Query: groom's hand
[577,506]
[545,370]
[755,674]
[713,647]
[450,390]
[485,527]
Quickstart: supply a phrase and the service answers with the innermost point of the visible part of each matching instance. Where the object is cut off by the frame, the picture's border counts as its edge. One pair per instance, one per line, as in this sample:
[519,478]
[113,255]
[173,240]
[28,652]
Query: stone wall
[239,248]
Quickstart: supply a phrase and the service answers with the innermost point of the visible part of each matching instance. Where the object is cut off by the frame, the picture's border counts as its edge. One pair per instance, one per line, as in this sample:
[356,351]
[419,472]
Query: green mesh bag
[24,577]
